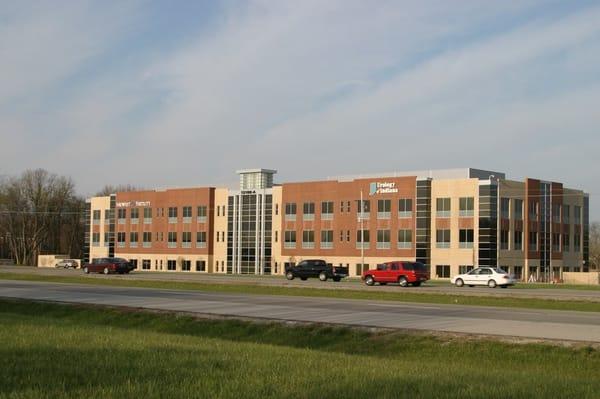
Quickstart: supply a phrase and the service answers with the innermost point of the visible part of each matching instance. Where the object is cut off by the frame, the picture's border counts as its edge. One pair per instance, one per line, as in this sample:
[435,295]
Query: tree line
[41,213]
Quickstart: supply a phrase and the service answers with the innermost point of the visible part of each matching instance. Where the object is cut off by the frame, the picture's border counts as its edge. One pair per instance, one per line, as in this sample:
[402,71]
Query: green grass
[400,295]
[62,351]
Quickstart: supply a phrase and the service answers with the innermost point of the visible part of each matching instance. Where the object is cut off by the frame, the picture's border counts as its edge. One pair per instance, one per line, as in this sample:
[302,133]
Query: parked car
[67,263]
[316,268]
[108,265]
[403,273]
[490,276]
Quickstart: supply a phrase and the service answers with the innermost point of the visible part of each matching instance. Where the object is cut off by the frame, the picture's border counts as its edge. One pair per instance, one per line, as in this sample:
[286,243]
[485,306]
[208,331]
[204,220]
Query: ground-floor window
[276,268]
[442,271]
[576,269]
[134,263]
[200,266]
[360,268]
[171,265]
[145,264]
[462,269]
[186,265]
[518,272]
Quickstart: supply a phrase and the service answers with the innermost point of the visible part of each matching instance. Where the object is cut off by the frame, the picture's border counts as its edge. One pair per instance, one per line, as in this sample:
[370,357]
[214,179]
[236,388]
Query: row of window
[384,209]
[560,242]
[560,213]
[171,264]
[172,212]
[363,238]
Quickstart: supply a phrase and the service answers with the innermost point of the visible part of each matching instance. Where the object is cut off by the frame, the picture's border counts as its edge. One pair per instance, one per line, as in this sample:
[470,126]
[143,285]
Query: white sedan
[490,276]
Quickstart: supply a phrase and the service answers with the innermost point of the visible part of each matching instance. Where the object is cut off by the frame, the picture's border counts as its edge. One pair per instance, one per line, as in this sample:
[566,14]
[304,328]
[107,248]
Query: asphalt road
[347,284]
[537,324]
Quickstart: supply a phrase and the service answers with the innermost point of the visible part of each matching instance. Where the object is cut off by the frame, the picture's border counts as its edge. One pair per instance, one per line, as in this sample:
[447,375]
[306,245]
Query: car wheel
[323,276]
[289,275]
[86,270]
[492,284]
[369,280]
[459,282]
[403,281]
[105,271]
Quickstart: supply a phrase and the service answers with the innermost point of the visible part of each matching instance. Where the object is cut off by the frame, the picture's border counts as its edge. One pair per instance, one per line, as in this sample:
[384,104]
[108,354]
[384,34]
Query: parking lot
[562,293]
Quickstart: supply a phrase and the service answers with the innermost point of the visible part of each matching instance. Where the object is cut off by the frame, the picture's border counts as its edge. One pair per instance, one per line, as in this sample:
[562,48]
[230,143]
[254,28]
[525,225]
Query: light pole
[362,233]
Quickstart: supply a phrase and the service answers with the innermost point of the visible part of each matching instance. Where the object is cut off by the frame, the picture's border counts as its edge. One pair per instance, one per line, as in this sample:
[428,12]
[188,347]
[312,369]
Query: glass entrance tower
[249,223]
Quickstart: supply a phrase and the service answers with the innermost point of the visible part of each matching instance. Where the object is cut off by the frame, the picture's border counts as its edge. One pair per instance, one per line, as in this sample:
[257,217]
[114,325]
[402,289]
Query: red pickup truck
[403,273]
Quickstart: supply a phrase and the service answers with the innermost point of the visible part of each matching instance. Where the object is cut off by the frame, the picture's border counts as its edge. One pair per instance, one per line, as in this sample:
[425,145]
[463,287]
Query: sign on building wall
[383,188]
[132,203]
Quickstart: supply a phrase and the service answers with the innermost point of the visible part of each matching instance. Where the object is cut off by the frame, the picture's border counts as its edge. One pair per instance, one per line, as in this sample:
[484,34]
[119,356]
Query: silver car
[67,263]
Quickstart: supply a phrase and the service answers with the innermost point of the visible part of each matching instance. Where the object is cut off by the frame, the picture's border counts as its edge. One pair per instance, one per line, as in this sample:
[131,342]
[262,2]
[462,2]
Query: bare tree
[595,245]
[110,189]
[39,211]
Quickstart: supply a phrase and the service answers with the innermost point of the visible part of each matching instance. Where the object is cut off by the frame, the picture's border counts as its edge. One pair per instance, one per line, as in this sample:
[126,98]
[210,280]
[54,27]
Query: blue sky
[184,93]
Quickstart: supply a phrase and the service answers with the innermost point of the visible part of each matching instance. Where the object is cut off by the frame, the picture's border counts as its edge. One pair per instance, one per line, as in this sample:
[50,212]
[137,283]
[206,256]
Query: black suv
[316,268]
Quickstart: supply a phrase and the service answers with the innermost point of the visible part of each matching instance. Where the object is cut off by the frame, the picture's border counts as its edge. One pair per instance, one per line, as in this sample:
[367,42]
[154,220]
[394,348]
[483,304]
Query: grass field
[400,295]
[63,351]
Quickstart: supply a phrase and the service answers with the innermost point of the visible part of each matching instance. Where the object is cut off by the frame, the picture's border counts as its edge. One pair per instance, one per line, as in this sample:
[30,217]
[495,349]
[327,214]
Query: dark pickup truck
[316,268]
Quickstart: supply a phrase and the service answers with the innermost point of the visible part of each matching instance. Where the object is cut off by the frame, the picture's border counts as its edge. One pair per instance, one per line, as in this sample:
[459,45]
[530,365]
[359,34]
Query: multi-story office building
[451,220]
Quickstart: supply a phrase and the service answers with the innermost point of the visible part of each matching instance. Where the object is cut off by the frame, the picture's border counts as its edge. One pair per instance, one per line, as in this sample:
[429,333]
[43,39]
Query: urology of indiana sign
[382,188]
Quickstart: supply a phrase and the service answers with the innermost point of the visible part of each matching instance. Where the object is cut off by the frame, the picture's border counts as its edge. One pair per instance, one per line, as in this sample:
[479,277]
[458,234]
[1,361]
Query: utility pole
[362,232]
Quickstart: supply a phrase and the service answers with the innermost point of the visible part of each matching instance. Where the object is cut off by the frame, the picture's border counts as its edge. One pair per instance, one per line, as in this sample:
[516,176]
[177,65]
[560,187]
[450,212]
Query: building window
[106,239]
[383,239]
[442,271]
[107,216]
[347,235]
[556,213]
[95,239]
[442,238]
[308,239]
[566,242]
[462,269]
[518,209]
[405,208]
[290,211]
[172,239]
[133,239]
[366,209]
[533,240]
[96,217]
[566,214]
[308,211]
[361,268]
[327,210]
[465,238]
[384,208]
[121,239]
[134,263]
[171,265]
[200,266]
[505,208]
[187,214]
[135,215]
[201,239]
[577,214]
[326,239]
[201,218]
[533,210]
[172,215]
[443,207]
[466,206]
[147,215]
[518,235]
[276,236]
[186,239]
[276,209]
[147,239]
[503,239]
[121,215]
[404,239]
[145,264]
[186,265]
[577,242]
[362,239]
[556,242]
[290,239]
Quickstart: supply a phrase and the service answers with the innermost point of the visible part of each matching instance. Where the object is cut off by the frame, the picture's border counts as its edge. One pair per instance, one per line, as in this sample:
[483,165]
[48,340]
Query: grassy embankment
[62,351]
[400,295]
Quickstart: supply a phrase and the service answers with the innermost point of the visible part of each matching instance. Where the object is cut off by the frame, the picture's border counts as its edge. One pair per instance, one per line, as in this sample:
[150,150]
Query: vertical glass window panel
[556,242]
[443,238]
[308,239]
[172,239]
[308,209]
[556,213]
[290,239]
[533,241]
[518,241]
[327,210]
[405,207]
[505,208]
[465,238]
[577,214]
[566,214]
[443,207]
[96,216]
[404,239]
[363,239]
[533,209]
[290,211]
[364,210]
[566,242]
[172,215]
[384,208]
[442,271]
[518,209]
[504,239]
[326,239]
[135,213]
[383,239]
[466,206]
